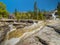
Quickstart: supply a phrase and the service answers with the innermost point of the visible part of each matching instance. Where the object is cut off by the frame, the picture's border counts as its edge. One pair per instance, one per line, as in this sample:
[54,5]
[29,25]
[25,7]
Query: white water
[53,15]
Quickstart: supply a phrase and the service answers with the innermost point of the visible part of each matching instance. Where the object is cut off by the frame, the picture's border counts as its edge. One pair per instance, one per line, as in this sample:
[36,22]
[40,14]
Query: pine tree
[35,10]
[58,9]
[15,12]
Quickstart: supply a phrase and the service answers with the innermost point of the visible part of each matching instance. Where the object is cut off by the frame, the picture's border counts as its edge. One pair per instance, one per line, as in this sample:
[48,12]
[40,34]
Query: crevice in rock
[42,41]
[56,30]
[4,33]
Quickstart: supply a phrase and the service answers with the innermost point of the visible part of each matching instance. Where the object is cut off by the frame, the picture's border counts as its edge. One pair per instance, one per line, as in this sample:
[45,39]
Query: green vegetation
[3,12]
[58,9]
[36,14]
[35,10]
[29,15]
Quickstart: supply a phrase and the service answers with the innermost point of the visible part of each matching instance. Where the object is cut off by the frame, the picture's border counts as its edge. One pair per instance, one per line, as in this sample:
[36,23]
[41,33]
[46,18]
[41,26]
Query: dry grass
[16,33]
[20,32]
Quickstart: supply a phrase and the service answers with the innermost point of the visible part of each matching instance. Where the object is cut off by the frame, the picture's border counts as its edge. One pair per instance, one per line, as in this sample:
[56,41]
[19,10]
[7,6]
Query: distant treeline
[35,14]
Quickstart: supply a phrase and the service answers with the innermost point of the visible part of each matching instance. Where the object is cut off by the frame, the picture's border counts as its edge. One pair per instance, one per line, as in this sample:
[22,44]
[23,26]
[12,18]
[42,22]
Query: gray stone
[47,35]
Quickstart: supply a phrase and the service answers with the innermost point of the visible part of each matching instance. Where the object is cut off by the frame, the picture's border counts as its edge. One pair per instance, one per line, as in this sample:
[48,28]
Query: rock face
[46,36]
[55,24]
[3,33]
[49,35]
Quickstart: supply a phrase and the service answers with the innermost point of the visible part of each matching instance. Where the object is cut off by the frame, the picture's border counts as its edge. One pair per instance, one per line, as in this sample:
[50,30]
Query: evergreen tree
[35,10]
[15,12]
[58,9]
[39,15]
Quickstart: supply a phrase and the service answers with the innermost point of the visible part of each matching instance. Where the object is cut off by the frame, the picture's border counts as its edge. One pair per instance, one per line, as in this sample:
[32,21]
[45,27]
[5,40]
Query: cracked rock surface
[46,36]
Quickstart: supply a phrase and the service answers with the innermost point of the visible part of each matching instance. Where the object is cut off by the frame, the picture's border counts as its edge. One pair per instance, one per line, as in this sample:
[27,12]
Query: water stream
[54,16]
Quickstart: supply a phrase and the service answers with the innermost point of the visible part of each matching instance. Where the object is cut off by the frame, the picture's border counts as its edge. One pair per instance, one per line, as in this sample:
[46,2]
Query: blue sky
[28,5]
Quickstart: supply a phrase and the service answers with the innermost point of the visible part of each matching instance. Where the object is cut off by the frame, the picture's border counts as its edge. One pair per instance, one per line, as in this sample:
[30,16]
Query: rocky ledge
[49,35]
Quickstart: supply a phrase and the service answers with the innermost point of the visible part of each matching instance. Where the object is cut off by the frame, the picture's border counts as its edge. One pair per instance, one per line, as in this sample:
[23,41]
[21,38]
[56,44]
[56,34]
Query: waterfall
[54,17]
[11,27]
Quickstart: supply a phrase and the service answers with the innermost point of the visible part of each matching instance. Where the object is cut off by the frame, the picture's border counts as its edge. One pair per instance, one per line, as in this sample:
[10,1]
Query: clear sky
[28,5]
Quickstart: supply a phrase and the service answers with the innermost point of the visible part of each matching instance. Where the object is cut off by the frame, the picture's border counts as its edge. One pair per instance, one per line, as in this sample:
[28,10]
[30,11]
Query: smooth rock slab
[47,34]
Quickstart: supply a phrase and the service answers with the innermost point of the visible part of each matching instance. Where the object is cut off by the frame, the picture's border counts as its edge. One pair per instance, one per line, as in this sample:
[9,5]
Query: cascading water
[54,17]
[11,26]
